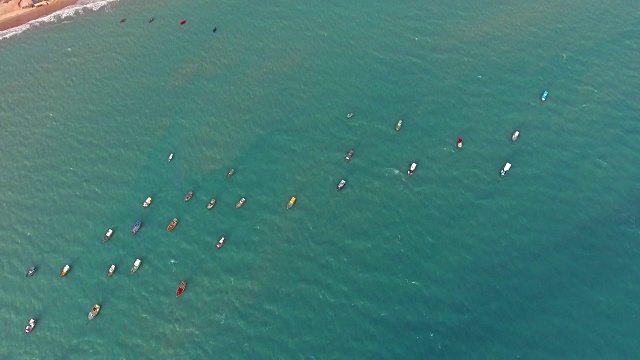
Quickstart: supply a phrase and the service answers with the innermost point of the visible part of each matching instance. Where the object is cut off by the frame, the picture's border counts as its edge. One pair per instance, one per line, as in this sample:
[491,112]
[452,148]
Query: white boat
[29,328]
[412,169]
[515,135]
[112,269]
[170,156]
[505,169]
[94,312]
[136,265]
[108,235]
[147,202]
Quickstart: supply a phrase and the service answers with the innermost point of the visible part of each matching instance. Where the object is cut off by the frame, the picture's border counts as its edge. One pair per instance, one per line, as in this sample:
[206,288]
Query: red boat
[181,288]
[459,143]
[189,196]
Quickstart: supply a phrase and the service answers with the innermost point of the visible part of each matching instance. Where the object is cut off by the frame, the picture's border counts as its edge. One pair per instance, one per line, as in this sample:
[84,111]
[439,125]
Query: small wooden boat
[349,115]
[32,270]
[189,196]
[412,169]
[183,285]
[291,202]
[112,269]
[505,169]
[398,125]
[173,224]
[108,235]
[30,326]
[240,203]
[136,265]
[459,143]
[211,204]
[515,135]
[544,95]
[65,270]
[341,184]
[170,157]
[221,242]
[95,310]
[349,156]
[147,202]
[231,172]
[136,227]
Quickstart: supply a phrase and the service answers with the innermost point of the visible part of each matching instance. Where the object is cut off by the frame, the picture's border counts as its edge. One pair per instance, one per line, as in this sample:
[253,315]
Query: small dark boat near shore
[32,270]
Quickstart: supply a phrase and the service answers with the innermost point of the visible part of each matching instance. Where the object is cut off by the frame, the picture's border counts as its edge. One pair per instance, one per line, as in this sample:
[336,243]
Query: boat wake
[70,11]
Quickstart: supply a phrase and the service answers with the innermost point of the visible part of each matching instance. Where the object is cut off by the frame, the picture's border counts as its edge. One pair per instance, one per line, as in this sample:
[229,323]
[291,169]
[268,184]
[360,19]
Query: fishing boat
[412,169]
[291,202]
[341,184]
[211,204]
[170,157]
[515,135]
[112,269]
[136,227]
[147,202]
[65,270]
[459,143]
[241,203]
[398,125]
[108,235]
[544,95]
[189,196]
[349,115]
[172,224]
[221,242]
[183,285]
[349,156]
[231,172]
[136,265]
[95,310]
[505,169]
[30,326]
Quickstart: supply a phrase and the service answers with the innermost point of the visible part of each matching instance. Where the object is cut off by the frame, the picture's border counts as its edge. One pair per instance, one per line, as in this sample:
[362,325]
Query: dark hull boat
[183,285]
[349,156]
[136,227]
[31,271]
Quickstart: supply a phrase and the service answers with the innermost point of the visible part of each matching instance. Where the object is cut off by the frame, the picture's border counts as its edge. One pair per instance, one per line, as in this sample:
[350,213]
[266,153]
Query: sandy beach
[14,13]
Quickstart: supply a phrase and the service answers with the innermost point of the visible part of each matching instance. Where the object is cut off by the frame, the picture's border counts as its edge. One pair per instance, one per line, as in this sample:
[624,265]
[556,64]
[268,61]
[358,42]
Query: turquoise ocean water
[451,263]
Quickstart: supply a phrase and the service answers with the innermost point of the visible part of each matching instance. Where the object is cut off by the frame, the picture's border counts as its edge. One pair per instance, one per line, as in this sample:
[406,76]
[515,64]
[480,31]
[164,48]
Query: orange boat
[183,285]
[291,202]
[240,203]
[65,270]
[173,224]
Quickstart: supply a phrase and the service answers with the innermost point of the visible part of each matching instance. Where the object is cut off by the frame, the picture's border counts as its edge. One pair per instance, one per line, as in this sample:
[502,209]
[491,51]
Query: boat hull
[94,312]
[112,269]
[32,324]
[221,242]
[189,196]
[172,225]
[241,203]
[211,204]
[181,288]
[136,265]
[65,270]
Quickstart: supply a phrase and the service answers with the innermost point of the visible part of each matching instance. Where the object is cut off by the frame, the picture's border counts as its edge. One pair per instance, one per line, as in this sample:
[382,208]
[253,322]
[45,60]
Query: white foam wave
[76,9]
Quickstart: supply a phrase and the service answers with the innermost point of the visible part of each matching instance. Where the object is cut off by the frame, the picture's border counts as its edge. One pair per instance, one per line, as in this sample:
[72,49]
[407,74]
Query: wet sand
[11,15]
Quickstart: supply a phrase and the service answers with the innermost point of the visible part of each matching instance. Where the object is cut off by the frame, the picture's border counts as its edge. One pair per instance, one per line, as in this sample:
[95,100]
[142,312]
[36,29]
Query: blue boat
[544,95]
[136,227]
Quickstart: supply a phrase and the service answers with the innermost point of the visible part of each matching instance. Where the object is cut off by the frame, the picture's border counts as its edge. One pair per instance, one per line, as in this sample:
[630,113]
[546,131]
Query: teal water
[451,263]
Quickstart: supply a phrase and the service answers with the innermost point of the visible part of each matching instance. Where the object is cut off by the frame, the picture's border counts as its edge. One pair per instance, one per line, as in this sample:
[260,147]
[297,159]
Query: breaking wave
[76,9]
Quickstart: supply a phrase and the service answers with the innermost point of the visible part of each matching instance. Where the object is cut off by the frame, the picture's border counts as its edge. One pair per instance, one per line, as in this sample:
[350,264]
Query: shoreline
[12,15]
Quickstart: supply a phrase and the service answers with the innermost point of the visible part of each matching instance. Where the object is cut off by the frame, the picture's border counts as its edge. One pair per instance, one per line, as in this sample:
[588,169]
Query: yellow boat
[173,224]
[291,202]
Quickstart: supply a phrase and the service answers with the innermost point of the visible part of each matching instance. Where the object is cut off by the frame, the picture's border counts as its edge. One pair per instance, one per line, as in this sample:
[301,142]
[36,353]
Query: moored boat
[341,184]
[291,202]
[544,95]
[147,202]
[95,310]
[515,135]
[32,270]
[349,115]
[505,169]
[183,285]
[172,224]
[412,169]
[188,196]
[136,227]
[136,265]
[398,125]
[108,235]
[221,242]
[241,203]
[459,143]
[30,326]
[349,156]
[65,270]
[170,157]
[112,269]
[231,172]
[211,204]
